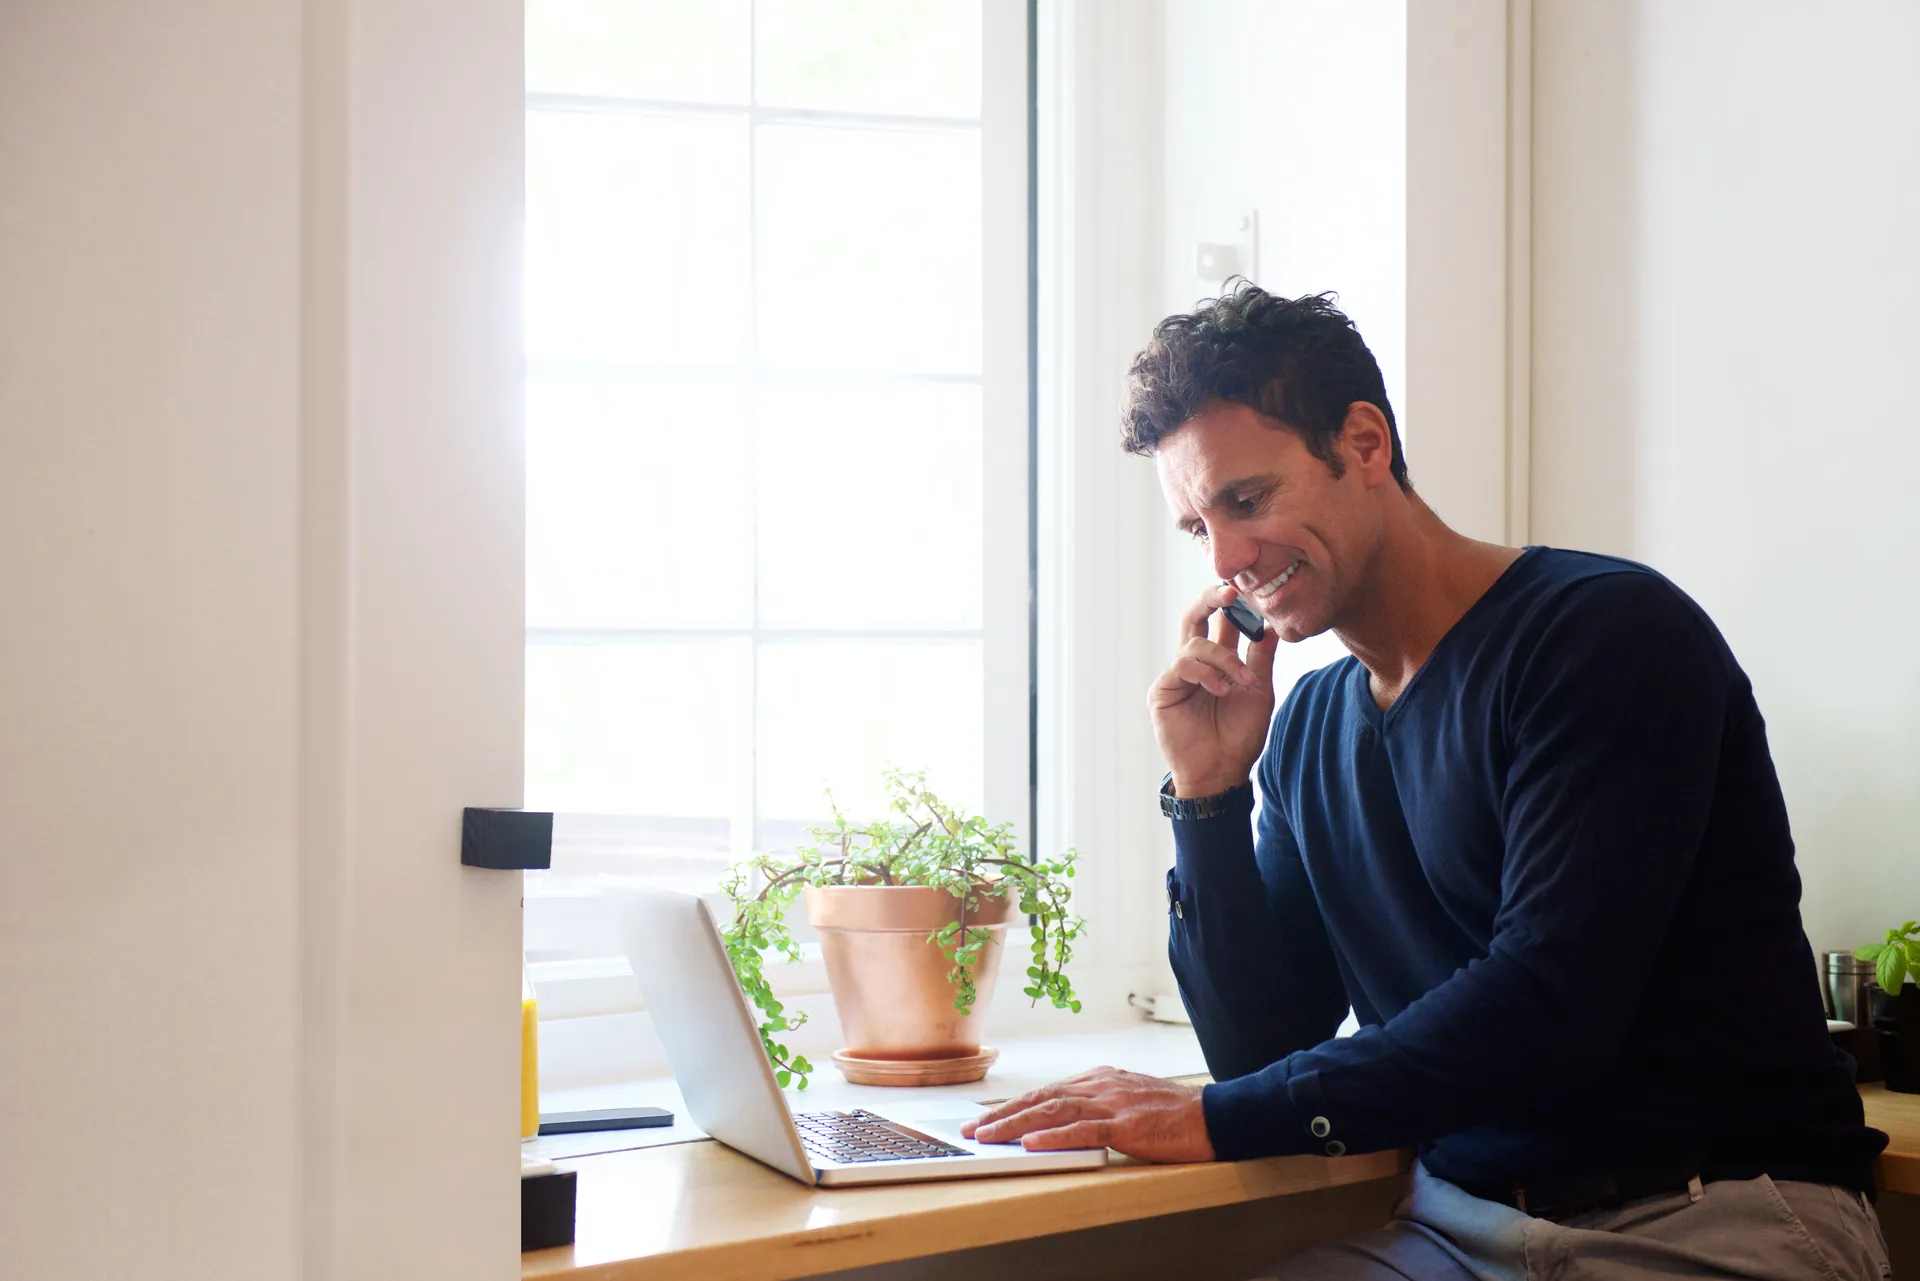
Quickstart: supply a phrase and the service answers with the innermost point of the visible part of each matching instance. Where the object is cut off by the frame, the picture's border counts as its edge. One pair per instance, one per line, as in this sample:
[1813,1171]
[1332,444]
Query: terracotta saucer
[915,1071]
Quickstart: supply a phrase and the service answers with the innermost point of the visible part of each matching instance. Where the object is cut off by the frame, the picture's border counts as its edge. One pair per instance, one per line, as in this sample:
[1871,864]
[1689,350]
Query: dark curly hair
[1298,361]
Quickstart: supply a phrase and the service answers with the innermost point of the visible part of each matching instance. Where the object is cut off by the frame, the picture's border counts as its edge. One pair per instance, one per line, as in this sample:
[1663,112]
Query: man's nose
[1233,555]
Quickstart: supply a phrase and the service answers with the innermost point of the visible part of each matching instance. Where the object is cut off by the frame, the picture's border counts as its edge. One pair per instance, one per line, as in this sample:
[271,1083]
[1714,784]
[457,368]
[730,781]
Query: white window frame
[597,995]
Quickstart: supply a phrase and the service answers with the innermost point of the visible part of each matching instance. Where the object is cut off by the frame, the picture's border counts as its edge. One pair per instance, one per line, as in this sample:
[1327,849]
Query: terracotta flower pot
[889,982]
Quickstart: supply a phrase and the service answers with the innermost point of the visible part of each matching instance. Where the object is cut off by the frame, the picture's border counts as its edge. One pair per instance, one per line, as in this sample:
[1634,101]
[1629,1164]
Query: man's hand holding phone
[1211,707]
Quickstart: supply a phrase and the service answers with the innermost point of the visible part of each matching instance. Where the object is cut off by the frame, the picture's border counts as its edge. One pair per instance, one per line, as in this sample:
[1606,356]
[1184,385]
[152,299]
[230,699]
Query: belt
[1561,1195]
[1805,1160]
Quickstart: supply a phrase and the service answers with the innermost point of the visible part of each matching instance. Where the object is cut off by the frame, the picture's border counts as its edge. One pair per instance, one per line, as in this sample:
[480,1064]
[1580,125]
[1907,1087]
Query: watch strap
[1217,806]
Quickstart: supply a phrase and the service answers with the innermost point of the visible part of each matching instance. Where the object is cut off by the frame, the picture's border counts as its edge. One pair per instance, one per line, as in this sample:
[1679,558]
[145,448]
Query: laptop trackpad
[936,1122]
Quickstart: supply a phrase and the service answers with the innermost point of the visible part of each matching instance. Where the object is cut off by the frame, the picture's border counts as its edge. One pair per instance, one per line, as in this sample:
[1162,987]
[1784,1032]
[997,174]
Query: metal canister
[1847,979]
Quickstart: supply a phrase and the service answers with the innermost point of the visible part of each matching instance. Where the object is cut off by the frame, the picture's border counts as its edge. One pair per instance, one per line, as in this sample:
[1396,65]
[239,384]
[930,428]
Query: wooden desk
[1899,1116]
[700,1209]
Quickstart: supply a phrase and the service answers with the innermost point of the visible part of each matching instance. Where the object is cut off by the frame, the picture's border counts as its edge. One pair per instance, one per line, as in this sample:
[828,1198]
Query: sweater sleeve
[1615,720]
[1256,971]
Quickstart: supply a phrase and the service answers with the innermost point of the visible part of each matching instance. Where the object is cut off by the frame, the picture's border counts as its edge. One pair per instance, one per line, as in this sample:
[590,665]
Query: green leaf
[1869,951]
[783,1076]
[1891,972]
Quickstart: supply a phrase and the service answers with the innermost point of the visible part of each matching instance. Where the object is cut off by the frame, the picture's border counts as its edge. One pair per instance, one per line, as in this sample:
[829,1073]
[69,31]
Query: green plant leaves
[925,841]
[1896,958]
[1891,970]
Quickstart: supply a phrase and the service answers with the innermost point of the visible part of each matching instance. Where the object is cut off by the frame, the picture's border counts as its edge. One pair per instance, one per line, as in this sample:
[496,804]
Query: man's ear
[1367,443]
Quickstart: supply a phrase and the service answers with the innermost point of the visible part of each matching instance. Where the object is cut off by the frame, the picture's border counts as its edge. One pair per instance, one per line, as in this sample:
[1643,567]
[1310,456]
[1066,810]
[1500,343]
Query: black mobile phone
[603,1119]
[1251,625]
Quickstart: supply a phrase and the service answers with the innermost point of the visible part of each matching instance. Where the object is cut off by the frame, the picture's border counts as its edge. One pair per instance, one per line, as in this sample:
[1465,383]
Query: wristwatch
[1202,806]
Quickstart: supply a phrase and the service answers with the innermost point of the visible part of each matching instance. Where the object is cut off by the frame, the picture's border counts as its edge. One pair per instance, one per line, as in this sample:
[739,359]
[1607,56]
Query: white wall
[1467,261]
[149,441]
[1726,275]
[260,554]
[1296,108]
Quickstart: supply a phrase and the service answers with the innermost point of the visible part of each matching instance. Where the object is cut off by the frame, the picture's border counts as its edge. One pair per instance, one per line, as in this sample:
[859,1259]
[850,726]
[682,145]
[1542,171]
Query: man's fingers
[1260,655]
[1010,1107]
[1079,1134]
[1045,1115]
[1225,634]
[1194,671]
[1193,623]
[1072,1086]
[1222,658]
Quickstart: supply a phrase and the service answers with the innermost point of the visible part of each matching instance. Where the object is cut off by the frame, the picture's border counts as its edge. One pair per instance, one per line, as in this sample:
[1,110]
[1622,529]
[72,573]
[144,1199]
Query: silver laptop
[712,1040]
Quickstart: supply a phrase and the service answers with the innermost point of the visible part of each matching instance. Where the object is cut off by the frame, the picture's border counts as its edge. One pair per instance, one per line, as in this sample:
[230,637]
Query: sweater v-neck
[1497,591]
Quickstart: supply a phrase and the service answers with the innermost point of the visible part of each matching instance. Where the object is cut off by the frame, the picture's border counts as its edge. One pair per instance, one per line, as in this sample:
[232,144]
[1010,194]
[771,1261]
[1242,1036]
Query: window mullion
[746,837]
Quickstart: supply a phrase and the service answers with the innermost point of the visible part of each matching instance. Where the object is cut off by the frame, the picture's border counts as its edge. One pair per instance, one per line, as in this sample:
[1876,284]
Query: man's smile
[1263,594]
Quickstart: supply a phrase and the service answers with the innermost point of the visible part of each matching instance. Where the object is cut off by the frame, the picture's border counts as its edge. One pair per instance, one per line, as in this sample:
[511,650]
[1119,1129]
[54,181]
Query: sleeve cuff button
[1320,1127]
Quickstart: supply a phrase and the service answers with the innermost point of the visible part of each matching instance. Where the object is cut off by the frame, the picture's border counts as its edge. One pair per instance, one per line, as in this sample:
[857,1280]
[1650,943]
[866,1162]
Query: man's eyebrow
[1235,489]
[1227,493]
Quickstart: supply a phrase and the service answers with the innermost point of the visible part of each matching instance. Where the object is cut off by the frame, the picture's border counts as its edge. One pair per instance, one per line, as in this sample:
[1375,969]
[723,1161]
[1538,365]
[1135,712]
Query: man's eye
[1199,533]
[1247,507]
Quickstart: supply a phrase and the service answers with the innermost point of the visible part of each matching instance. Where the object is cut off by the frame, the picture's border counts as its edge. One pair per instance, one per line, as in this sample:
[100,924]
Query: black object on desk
[604,1119]
[546,1209]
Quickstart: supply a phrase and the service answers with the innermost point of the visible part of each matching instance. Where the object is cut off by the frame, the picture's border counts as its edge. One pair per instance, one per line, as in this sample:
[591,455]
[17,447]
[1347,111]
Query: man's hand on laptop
[1141,1116]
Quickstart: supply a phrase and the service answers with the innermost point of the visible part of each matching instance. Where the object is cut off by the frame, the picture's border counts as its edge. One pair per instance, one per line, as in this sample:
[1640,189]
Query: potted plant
[1895,1002]
[912,911]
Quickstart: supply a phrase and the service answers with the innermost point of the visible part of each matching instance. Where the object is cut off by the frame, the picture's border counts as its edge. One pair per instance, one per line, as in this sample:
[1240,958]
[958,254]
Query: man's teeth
[1279,580]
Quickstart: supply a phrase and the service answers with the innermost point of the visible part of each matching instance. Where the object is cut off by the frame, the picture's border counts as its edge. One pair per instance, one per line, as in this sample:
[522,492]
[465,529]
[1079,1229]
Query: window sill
[584,1043]
[1026,1062]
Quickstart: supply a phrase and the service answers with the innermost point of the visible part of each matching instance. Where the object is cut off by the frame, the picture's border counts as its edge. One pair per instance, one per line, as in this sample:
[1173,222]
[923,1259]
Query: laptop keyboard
[861,1136]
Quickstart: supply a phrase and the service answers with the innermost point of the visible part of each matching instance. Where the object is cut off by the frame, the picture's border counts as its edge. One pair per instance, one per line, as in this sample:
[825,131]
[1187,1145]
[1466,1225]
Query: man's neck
[1424,580]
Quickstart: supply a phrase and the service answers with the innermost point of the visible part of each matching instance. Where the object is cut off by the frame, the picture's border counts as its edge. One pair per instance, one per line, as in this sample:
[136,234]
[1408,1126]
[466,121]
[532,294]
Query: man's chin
[1293,631]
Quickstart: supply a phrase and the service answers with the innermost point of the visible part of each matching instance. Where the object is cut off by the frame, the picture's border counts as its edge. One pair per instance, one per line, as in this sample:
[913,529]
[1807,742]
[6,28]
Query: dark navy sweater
[1555,882]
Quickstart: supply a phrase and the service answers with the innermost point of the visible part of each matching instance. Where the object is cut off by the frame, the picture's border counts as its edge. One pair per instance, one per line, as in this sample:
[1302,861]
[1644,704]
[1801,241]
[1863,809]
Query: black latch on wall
[506,839]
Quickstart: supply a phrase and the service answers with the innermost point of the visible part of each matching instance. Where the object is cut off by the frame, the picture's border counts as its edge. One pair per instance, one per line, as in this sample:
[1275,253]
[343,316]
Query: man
[1530,832]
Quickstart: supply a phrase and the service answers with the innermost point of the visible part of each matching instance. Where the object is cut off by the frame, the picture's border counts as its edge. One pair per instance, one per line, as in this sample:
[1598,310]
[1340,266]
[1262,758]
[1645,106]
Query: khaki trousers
[1755,1229]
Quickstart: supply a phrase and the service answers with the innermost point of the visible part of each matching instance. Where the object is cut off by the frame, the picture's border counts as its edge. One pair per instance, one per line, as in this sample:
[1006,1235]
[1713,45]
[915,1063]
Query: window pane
[686,50]
[907,57]
[636,504]
[637,238]
[835,714]
[870,248]
[657,729]
[870,506]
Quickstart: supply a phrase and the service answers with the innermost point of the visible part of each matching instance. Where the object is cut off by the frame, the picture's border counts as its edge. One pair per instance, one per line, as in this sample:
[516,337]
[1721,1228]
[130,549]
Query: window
[776,432]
